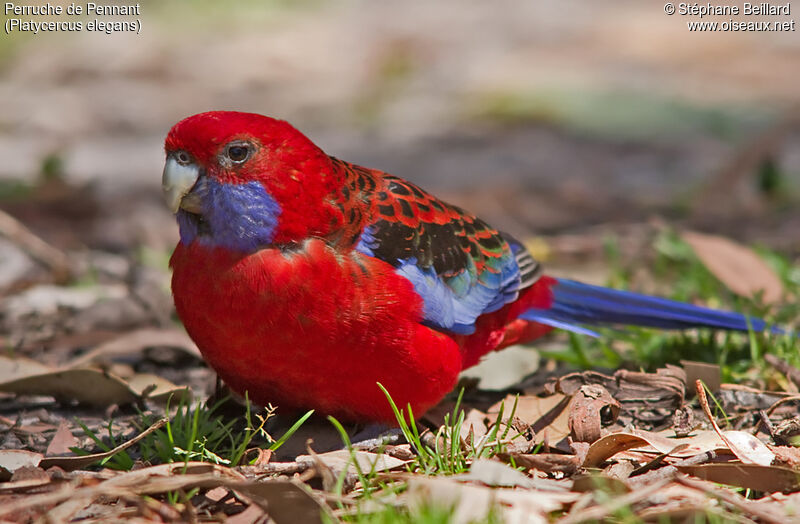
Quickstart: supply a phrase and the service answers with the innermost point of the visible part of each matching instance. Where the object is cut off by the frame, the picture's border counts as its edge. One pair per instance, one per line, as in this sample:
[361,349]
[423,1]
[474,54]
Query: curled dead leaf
[590,408]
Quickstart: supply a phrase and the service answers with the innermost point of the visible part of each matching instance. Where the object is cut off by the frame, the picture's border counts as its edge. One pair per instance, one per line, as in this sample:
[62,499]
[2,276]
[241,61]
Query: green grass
[441,453]
[446,453]
[194,433]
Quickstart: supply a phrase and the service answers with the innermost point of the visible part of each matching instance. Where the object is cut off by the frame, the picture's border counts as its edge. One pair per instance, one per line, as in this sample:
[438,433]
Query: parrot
[308,282]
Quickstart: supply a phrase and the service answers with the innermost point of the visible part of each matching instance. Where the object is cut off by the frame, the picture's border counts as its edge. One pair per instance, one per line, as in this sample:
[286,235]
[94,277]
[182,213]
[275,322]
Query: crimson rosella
[306,280]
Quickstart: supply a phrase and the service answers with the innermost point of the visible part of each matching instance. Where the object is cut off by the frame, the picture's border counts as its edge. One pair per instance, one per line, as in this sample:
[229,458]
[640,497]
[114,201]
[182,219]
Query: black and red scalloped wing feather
[459,265]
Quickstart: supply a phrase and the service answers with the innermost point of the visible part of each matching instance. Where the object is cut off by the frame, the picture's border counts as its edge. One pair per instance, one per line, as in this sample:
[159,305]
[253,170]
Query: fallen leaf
[14,368]
[493,473]
[30,475]
[286,501]
[62,441]
[470,503]
[340,459]
[586,411]
[698,442]
[745,446]
[546,462]
[158,388]
[13,459]
[548,416]
[592,483]
[748,476]
[710,374]
[474,426]
[788,455]
[251,515]
[88,386]
[147,481]
[136,342]
[736,266]
[608,446]
[748,448]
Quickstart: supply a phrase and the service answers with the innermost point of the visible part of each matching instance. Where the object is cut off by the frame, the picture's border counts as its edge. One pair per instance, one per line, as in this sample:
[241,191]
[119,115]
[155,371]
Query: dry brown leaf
[340,459]
[62,441]
[13,459]
[251,515]
[710,374]
[286,501]
[546,462]
[745,446]
[736,266]
[18,367]
[137,341]
[158,388]
[472,503]
[748,476]
[585,412]
[608,446]
[148,481]
[604,483]
[474,426]
[89,386]
[547,416]
[787,455]
[494,473]
[698,442]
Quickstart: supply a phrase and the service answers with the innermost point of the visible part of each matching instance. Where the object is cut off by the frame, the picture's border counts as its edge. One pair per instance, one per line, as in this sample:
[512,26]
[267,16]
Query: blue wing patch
[454,300]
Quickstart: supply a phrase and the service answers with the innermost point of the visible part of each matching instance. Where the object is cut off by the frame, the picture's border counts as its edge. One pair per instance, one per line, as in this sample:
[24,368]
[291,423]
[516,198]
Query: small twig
[764,418]
[780,402]
[44,253]
[274,468]
[657,460]
[671,471]
[791,372]
[73,463]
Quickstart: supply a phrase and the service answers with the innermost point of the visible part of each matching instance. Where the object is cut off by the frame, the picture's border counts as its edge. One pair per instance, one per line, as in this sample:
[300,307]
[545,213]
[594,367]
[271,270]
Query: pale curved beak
[177,181]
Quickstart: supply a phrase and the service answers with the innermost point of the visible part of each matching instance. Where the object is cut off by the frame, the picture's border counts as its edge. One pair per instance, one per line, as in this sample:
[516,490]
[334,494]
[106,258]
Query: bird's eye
[183,158]
[238,153]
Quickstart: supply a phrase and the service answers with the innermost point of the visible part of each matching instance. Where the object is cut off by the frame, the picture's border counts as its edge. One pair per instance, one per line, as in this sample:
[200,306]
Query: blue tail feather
[576,304]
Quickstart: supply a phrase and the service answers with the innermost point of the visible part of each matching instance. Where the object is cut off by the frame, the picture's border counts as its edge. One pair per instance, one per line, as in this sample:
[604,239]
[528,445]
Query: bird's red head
[244,181]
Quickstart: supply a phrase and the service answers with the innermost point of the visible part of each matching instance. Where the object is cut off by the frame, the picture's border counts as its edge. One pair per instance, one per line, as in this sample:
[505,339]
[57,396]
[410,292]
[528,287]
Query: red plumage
[309,320]
[317,330]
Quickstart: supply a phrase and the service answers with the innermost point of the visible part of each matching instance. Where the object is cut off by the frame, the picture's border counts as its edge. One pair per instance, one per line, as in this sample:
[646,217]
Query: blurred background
[564,122]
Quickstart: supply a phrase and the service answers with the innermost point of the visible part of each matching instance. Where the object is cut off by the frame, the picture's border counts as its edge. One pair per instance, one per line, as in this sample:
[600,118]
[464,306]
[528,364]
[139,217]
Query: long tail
[576,305]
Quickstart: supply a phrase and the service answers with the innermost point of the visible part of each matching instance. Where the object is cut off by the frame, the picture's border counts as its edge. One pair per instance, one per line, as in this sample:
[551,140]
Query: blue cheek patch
[240,217]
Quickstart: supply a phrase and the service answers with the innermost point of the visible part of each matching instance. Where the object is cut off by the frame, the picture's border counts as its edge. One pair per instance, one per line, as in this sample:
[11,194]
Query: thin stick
[51,257]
